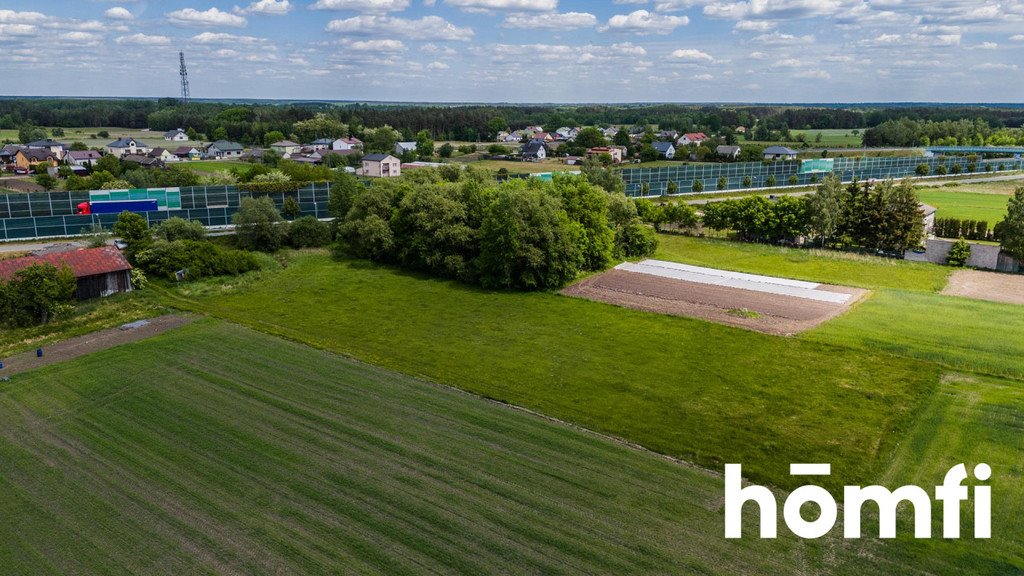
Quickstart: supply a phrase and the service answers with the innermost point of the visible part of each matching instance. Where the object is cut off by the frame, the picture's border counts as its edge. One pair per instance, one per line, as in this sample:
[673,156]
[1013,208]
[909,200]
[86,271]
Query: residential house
[98,271]
[285,147]
[730,152]
[187,153]
[779,153]
[163,154]
[532,130]
[692,138]
[616,152]
[222,149]
[546,137]
[381,166]
[312,158]
[325,153]
[350,143]
[83,157]
[178,135]
[610,132]
[57,148]
[741,129]
[7,153]
[143,160]
[29,157]
[534,150]
[516,136]
[666,149]
[403,147]
[125,146]
[322,144]
[567,133]
[668,136]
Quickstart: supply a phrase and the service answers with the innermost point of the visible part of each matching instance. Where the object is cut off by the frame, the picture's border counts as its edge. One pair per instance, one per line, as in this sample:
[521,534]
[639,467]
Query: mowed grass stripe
[214,449]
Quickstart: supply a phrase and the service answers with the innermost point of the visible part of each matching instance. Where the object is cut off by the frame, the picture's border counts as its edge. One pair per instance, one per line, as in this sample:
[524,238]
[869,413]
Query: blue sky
[520,50]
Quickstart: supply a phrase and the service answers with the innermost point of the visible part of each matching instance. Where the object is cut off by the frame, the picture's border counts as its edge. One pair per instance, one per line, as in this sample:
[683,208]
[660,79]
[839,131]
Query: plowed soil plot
[766,304]
[987,286]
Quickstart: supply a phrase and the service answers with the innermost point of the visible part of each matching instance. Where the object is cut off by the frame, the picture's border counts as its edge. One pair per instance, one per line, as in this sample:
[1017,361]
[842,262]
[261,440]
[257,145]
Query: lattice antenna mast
[185,95]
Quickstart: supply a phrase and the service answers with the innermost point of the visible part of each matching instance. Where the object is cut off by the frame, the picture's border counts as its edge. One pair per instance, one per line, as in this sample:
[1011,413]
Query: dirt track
[991,286]
[763,312]
[90,343]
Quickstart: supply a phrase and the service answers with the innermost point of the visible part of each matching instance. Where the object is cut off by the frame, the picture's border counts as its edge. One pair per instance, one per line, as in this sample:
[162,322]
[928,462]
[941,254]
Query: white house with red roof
[692,138]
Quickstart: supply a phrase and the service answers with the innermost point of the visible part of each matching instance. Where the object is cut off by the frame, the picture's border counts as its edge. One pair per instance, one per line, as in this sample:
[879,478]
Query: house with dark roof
[163,154]
[177,135]
[732,152]
[534,150]
[143,160]
[52,145]
[98,272]
[29,157]
[187,153]
[666,149]
[381,166]
[7,153]
[224,149]
[322,143]
[83,157]
[123,146]
[779,153]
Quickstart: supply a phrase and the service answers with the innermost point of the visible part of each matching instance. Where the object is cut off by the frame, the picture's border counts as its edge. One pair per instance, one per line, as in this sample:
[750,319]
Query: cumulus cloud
[213,17]
[437,66]
[426,28]
[266,7]
[225,38]
[377,6]
[552,21]
[118,13]
[520,5]
[691,55]
[780,39]
[380,45]
[644,22]
[143,40]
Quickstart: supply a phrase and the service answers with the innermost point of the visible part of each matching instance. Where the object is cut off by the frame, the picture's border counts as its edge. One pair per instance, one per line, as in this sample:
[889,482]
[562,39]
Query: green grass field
[831,137]
[85,135]
[210,166]
[679,386]
[827,266]
[965,205]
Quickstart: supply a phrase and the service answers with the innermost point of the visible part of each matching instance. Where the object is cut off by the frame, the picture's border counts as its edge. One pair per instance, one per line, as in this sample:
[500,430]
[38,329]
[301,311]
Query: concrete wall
[983,256]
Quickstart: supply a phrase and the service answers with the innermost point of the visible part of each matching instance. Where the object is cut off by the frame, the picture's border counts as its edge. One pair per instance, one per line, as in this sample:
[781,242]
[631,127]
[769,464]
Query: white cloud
[380,45]
[754,25]
[432,48]
[426,28]
[225,38]
[780,39]
[18,30]
[703,77]
[995,66]
[522,5]
[644,22]
[437,66]
[118,13]
[375,6]
[143,40]
[211,17]
[266,7]
[691,55]
[552,21]
[12,17]
[80,38]
[984,46]
[1017,38]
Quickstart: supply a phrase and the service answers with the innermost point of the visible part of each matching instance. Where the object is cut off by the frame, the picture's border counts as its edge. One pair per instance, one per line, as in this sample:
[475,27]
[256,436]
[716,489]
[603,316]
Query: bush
[770,181]
[36,295]
[308,232]
[959,253]
[176,228]
[698,186]
[941,170]
[290,208]
[794,180]
[134,231]
[747,182]
[199,259]
[723,183]
[635,240]
[258,225]
[922,170]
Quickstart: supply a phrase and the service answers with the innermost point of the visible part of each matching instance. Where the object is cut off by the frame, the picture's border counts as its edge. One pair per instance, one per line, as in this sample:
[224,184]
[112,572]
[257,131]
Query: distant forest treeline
[249,123]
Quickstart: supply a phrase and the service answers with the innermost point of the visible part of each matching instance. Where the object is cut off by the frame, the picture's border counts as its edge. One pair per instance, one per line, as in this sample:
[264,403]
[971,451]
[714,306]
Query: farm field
[84,135]
[831,137]
[363,470]
[954,203]
[679,386]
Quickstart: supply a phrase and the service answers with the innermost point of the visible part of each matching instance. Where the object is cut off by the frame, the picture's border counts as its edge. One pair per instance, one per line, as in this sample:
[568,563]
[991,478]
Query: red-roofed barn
[99,271]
